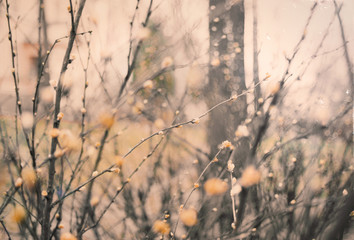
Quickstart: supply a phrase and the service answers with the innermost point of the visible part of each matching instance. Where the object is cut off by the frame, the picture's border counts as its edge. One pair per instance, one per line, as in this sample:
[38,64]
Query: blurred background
[289,62]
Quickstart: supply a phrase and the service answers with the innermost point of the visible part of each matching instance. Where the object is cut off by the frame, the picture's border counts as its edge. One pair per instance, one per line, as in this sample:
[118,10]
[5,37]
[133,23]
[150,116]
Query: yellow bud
[29,177]
[215,186]
[166,62]
[119,160]
[196,121]
[67,236]
[94,201]
[161,227]
[60,116]
[115,170]
[275,88]
[226,144]
[106,120]
[189,217]
[250,176]
[18,214]
[267,76]
[19,182]
[54,133]
[148,84]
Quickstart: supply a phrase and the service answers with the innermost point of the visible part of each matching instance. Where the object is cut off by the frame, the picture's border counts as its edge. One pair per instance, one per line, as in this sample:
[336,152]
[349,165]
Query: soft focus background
[290,64]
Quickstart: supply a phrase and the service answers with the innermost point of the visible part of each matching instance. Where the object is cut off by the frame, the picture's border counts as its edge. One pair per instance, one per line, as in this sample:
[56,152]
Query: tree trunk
[226,27]
[226,78]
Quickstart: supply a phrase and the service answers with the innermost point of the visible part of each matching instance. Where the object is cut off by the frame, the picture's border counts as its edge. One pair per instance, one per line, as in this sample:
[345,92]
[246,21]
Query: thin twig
[51,171]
